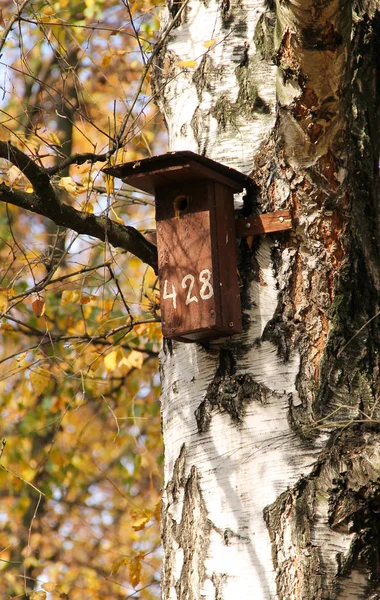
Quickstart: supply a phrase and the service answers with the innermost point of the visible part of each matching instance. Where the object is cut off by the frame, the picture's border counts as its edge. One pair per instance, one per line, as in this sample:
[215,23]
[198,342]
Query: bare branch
[77,159]
[44,201]
[37,176]
[100,227]
[12,21]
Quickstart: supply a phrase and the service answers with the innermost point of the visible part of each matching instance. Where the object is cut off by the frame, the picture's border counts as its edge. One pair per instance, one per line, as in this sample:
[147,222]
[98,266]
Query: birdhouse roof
[149,174]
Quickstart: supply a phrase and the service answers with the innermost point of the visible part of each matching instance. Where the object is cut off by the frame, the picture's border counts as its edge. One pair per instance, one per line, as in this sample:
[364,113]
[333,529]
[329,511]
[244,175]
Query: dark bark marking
[294,509]
[347,477]
[229,535]
[206,74]
[174,7]
[218,581]
[264,34]
[191,533]
[229,393]
[248,102]
[326,38]
[193,538]
[364,128]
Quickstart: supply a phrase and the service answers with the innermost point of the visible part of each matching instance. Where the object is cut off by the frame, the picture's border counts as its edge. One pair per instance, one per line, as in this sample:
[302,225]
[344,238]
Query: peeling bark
[277,428]
[187,534]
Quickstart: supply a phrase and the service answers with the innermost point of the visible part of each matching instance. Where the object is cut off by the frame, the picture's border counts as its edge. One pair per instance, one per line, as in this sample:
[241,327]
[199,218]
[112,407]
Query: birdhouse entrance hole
[180,203]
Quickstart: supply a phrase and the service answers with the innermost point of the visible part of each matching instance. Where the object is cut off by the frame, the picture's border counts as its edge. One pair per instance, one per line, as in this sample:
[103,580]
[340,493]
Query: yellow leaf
[38,306]
[122,362]
[134,64]
[157,512]
[126,362]
[54,139]
[110,361]
[69,296]
[92,360]
[136,359]
[187,63]
[3,300]
[110,184]
[107,305]
[209,43]
[140,518]
[88,207]
[4,326]
[89,3]
[39,379]
[154,330]
[119,563]
[85,299]
[38,595]
[106,61]
[115,217]
[49,586]
[140,329]
[13,174]
[68,184]
[135,571]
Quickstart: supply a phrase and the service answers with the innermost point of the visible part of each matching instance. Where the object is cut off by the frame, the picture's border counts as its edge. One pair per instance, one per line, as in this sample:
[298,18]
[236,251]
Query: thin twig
[12,21]
[45,282]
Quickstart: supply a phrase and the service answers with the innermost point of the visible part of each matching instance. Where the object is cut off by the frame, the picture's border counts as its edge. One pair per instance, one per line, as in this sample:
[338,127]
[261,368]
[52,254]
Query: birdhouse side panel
[225,259]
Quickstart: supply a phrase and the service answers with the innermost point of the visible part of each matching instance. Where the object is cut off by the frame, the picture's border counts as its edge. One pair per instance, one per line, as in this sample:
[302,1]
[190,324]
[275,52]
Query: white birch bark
[248,473]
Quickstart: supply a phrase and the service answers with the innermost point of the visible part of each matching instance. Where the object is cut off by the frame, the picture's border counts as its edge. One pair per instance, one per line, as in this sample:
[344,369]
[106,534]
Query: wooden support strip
[250,226]
[280,220]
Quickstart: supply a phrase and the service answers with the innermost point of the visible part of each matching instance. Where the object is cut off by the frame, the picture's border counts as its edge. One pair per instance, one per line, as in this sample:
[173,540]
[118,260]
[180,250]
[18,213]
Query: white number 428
[206,291]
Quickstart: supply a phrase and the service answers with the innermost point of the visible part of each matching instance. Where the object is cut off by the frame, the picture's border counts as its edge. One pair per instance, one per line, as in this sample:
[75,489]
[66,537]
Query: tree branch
[44,201]
[101,227]
[12,21]
[37,176]
[77,159]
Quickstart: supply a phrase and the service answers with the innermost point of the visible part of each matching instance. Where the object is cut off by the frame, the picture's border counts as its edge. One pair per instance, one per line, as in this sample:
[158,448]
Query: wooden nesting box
[196,241]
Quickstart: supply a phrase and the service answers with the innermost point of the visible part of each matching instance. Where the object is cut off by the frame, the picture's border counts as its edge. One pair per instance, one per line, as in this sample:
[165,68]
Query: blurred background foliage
[81,447]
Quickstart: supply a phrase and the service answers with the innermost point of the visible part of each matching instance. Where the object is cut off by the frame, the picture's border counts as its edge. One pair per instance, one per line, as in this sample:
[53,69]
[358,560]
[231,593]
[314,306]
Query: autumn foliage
[80,466]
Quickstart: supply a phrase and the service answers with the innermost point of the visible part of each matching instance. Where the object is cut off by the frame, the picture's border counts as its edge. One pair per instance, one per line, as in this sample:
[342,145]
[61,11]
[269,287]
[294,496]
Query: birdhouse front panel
[197,260]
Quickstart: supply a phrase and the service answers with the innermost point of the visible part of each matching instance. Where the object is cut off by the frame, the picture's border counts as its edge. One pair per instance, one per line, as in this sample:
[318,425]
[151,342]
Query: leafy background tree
[81,452]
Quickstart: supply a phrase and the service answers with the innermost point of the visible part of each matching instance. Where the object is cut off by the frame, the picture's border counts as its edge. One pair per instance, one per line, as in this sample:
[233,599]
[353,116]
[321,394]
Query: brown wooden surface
[197,248]
[280,220]
[149,174]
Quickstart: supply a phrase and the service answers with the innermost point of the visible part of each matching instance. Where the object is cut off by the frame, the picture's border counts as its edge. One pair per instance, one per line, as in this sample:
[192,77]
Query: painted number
[172,295]
[206,291]
[204,277]
[189,297]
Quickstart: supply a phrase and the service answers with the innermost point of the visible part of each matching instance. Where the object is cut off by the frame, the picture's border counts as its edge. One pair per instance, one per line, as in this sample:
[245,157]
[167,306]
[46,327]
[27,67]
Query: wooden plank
[199,292]
[149,174]
[280,220]
[184,260]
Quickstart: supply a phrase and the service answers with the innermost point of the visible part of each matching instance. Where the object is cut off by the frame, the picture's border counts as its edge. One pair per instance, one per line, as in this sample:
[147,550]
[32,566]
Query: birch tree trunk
[272,446]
